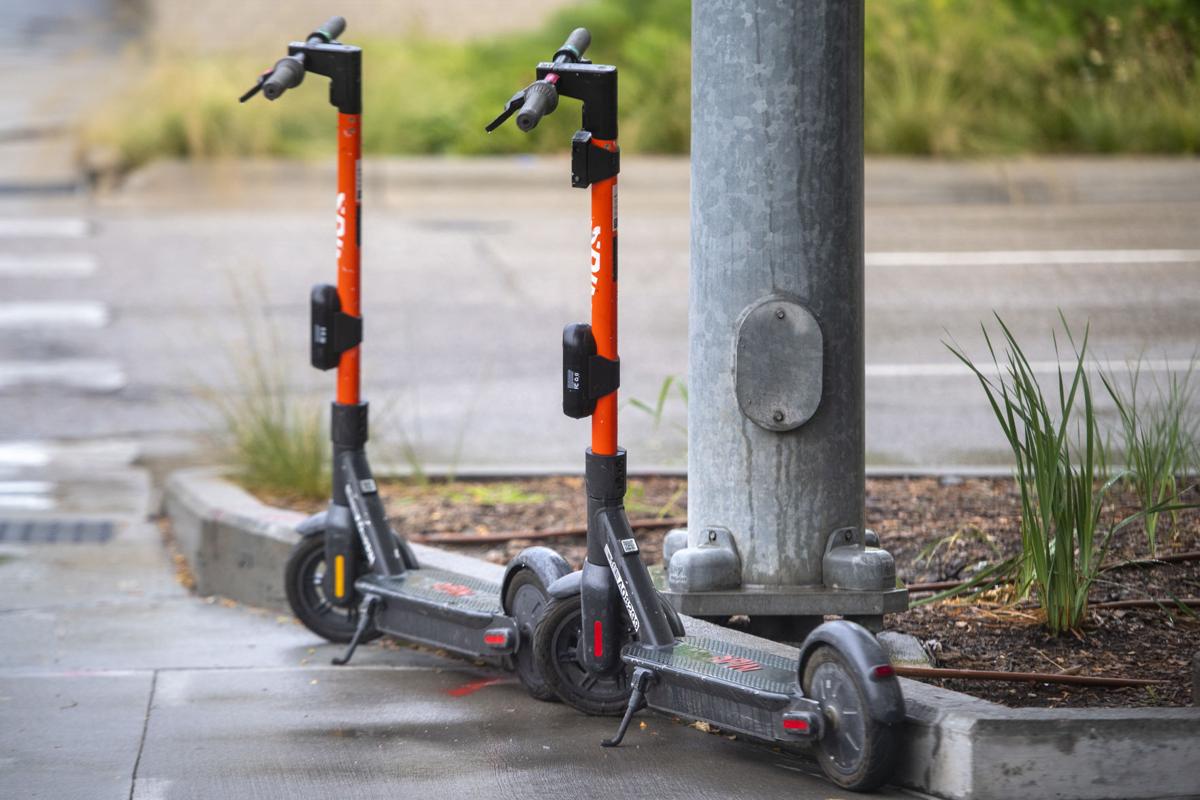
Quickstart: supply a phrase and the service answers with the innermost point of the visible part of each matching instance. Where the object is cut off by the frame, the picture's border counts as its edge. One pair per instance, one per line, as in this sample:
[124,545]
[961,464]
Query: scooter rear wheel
[855,751]
[526,600]
[304,581]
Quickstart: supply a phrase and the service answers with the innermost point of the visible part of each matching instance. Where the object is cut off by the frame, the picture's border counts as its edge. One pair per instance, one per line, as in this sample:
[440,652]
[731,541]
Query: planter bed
[937,529]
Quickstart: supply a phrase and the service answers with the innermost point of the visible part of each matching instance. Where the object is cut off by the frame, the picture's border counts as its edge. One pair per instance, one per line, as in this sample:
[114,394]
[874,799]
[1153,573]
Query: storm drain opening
[56,531]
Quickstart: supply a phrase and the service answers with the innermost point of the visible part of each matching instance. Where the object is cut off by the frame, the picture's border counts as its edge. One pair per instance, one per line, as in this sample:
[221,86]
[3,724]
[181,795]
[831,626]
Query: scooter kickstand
[637,701]
[366,618]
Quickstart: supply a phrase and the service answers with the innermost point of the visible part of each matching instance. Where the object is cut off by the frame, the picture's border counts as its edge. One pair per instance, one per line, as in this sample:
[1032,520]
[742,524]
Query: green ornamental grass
[1158,439]
[277,442]
[1056,445]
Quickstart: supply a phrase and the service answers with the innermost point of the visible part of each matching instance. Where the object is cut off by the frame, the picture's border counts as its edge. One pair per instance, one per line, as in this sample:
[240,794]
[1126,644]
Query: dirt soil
[937,530]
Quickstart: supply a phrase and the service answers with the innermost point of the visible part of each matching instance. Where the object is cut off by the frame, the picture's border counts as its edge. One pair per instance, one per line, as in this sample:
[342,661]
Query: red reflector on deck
[796,725]
[883,671]
[598,639]
[495,638]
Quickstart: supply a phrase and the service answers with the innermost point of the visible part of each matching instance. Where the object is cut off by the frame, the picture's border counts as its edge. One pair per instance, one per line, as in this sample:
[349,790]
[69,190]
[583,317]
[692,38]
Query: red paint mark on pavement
[472,687]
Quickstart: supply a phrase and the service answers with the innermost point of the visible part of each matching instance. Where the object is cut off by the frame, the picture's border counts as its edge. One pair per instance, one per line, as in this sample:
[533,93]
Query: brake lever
[513,106]
[257,87]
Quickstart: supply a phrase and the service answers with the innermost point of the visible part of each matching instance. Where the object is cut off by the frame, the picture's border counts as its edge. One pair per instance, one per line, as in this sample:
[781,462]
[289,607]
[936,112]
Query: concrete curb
[956,746]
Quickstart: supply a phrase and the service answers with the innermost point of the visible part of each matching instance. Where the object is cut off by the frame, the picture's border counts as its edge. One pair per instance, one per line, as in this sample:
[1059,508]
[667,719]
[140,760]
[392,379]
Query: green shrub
[942,77]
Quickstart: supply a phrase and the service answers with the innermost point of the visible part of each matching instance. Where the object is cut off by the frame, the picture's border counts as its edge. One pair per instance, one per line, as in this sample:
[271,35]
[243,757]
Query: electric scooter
[351,577]
[606,644]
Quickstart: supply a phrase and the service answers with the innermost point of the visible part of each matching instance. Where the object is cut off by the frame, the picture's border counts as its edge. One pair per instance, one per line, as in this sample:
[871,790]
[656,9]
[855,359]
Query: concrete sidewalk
[116,683]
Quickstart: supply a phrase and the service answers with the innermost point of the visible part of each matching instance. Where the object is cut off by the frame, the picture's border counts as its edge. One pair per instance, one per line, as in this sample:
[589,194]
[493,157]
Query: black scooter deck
[443,609]
[736,688]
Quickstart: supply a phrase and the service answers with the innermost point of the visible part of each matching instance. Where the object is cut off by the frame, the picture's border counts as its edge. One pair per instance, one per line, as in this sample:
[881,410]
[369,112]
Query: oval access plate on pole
[778,363]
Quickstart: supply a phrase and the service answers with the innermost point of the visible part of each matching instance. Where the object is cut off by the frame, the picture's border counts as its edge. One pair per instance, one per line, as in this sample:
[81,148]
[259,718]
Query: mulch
[937,530]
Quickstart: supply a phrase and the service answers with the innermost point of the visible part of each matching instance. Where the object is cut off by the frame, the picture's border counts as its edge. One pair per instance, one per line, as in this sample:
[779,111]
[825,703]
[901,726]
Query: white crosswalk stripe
[957,370]
[44,228]
[92,375]
[47,266]
[17,457]
[42,317]
[53,315]
[1016,258]
[26,495]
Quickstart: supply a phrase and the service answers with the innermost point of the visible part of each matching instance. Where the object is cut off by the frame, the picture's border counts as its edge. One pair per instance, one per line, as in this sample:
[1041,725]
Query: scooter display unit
[606,643]
[352,577]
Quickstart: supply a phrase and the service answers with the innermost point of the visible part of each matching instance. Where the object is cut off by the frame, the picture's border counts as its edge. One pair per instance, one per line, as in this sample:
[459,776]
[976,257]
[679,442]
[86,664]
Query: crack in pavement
[145,727]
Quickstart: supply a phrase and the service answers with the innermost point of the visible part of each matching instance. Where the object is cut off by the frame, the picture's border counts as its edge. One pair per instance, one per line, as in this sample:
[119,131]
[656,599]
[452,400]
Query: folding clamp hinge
[591,163]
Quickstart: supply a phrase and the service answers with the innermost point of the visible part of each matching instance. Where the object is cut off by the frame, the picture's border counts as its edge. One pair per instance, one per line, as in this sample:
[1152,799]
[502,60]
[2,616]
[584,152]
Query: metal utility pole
[775,420]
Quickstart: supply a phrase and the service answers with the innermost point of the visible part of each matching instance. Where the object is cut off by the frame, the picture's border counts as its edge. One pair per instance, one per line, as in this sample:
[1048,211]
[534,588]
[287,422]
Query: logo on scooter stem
[595,257]
[341,222]
[612,564]
[360,522]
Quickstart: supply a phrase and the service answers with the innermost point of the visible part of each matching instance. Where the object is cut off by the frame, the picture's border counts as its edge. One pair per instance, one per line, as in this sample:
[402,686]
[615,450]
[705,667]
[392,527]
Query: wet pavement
[116,683]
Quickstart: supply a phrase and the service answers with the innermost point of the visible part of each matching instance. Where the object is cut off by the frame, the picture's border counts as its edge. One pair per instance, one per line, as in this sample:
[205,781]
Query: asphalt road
[116,683]
[124,311]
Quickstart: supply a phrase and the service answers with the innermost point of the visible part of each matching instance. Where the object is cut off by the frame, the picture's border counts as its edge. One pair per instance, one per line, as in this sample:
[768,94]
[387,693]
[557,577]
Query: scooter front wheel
[855,751]
[557,646]
[304,581]
[526,600]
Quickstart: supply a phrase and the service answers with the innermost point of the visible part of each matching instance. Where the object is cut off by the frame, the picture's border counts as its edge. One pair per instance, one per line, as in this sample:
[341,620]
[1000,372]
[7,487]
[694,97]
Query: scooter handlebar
[575,45]
[332,29]
[541,98]
[288,73]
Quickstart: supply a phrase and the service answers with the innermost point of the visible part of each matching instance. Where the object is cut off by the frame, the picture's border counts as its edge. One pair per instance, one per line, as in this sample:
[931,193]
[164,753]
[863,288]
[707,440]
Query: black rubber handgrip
[288,73]
[333,28]
[575,45]
[541,98]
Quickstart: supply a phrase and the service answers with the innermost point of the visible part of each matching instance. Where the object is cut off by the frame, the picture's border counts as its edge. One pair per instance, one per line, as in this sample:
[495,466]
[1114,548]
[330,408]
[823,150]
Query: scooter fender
[567,586]
[885,701]
[603,657]
[313,525]
[545,563]
[317,523]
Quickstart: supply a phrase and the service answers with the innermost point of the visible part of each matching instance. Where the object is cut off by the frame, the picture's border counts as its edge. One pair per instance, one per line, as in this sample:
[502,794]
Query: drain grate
[55,531]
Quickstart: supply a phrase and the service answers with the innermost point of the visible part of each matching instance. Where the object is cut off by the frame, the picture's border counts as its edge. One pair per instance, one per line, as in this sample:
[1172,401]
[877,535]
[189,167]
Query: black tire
[556,650]
[303,581]
[526,601]
[855,751]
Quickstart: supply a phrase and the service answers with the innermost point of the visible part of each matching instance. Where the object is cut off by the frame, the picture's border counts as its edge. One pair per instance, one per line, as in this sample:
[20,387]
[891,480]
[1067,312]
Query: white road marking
[26,495]
[25,487]
[89,375]
[91,454]
[957,370]
[50,266]
[45,227]
[26,502]
[1013,258]
[53,314]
